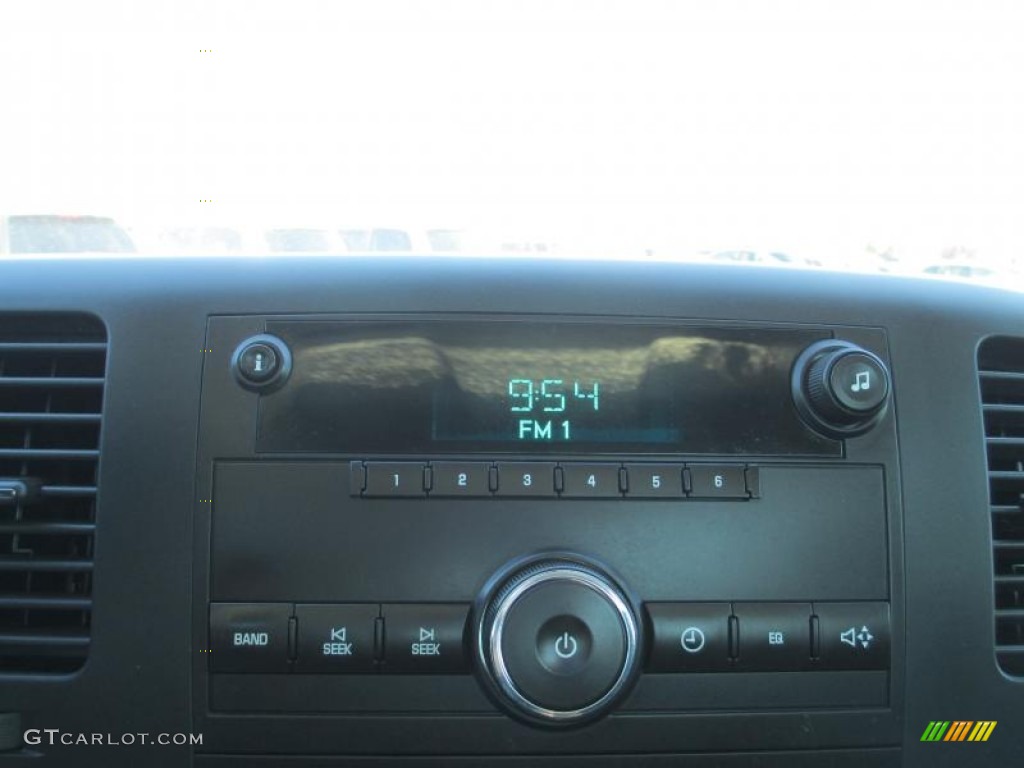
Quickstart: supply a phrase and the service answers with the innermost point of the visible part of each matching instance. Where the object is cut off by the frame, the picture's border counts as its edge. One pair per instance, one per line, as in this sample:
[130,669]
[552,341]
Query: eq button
[774,637]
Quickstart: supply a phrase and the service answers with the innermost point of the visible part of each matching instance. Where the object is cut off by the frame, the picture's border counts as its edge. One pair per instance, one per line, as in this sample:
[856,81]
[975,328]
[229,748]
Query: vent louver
[1001,370]
[51,393]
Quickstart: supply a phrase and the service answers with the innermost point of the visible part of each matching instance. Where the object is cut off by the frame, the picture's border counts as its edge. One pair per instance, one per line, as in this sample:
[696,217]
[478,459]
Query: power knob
[841,390]
[558,641]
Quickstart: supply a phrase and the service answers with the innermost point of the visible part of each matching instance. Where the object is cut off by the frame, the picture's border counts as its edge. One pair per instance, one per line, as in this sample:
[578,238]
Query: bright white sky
[801,126]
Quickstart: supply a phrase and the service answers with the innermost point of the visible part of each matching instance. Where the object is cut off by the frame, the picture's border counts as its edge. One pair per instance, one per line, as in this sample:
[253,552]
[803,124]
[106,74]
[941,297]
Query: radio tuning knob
[840,389]
[558,641]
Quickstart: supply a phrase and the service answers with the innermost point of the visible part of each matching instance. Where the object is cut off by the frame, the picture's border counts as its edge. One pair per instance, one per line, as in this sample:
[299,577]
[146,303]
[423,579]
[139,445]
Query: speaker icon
[852,637]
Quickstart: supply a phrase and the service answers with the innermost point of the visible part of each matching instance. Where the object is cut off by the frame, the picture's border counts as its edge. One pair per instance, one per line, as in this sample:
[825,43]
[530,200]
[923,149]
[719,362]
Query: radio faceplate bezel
[227,435]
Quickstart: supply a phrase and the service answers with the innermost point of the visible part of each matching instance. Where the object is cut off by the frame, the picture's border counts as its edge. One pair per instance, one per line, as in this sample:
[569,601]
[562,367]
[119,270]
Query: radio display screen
[434,386]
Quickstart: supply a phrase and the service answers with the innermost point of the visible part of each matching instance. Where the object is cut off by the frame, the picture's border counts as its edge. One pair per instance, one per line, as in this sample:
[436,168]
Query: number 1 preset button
[521,478]
[590,481]
[394,478]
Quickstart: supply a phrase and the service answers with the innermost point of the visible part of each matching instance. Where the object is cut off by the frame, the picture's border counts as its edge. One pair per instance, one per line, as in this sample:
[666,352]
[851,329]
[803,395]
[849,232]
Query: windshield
[877,137]
[65,234]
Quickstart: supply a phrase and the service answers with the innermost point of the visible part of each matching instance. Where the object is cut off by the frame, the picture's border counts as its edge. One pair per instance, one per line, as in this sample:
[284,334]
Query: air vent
[1001,368]
[51,394]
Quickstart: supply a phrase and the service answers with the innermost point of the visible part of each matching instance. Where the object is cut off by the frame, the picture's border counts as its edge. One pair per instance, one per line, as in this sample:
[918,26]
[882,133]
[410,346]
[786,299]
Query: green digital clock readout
[542,400]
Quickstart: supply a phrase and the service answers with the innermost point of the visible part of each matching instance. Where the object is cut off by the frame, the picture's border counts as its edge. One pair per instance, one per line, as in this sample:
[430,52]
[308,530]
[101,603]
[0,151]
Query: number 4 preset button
[590,480]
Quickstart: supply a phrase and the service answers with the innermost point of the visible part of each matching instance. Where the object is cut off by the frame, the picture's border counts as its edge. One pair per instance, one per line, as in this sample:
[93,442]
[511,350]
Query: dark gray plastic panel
[145,669]
[290,531]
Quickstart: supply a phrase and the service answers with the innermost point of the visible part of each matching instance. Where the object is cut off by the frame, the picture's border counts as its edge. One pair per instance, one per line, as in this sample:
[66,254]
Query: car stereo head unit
[544,522]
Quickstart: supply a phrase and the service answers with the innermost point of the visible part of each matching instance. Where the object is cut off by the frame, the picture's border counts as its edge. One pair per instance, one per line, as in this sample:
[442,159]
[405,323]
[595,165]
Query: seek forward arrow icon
[427,635]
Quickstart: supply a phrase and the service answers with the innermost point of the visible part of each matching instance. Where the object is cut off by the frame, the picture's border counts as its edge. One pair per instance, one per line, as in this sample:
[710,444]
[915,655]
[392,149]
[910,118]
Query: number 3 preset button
[521,478]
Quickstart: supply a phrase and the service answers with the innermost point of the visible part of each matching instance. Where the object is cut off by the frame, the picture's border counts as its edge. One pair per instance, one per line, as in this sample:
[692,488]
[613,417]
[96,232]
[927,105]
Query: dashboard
[435,511]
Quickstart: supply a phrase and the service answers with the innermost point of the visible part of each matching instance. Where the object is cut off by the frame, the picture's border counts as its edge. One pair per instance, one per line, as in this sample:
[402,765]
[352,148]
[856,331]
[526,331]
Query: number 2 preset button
[590,481]
[521,478]
[460,478]
[394,478]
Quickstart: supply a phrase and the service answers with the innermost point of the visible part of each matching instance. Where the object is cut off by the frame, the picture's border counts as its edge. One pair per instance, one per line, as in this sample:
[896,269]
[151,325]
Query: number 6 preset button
[460,478]
[522,478]
[590,481]
[718,481]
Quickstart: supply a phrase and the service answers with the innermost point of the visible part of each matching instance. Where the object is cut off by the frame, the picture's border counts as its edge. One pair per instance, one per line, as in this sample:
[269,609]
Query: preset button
[519,478]
[655,481]
[394,478]
[462,478]
[590,480]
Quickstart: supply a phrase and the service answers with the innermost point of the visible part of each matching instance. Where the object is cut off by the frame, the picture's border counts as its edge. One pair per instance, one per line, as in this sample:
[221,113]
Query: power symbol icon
[566,646]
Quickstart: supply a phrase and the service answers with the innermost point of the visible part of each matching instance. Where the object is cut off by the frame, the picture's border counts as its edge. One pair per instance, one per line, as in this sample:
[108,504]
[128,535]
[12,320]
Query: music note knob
[840,389]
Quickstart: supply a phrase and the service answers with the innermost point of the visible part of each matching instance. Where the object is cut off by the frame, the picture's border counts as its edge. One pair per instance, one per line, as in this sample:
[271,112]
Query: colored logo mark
[958,730]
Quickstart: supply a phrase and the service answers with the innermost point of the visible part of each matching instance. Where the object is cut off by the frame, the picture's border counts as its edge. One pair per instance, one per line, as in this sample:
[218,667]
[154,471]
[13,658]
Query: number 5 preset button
[394,478]
[521,478]
[655,481]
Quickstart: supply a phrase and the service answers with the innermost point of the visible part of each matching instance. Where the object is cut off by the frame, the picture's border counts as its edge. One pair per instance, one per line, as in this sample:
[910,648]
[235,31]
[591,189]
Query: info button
[689,637]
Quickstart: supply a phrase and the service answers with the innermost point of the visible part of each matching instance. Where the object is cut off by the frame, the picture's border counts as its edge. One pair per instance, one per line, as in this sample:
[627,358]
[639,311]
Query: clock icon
[692,640]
